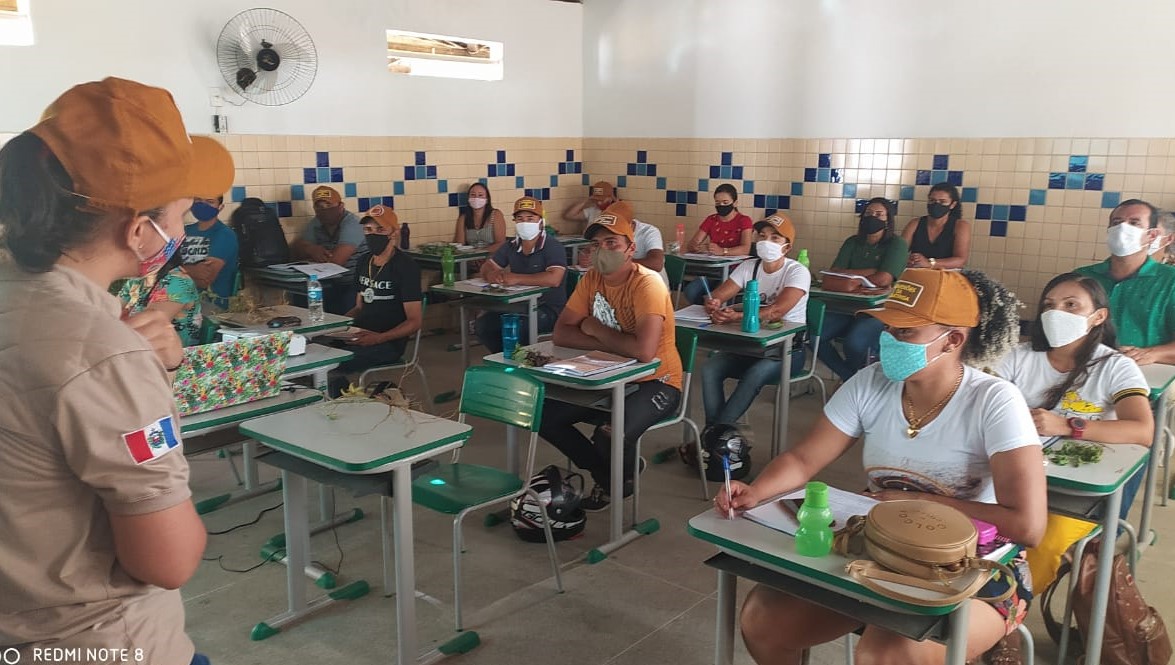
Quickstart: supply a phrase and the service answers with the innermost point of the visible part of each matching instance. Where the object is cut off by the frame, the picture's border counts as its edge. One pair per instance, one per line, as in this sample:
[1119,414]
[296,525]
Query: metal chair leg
[850,648]
[550,544]
[701,472]
[636,483]
[457,545]
[427,401]
[1027,645]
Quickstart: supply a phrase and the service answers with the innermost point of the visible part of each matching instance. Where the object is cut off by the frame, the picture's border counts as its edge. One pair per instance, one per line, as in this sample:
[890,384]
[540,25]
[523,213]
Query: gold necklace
[914,425]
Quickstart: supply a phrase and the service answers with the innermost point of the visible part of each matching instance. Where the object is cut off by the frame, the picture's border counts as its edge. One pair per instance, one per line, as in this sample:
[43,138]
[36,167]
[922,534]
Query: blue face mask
[901,360]
[204,212]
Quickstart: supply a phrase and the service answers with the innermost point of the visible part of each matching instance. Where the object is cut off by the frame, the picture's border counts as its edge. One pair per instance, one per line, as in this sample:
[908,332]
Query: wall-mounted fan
[266,56]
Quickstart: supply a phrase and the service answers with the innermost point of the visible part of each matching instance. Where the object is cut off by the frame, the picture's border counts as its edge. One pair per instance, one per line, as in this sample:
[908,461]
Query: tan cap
[385,217]
[125,147]
[603,190]
[324,193]
[529,203]
[782,225]
[616,219]
[924,296]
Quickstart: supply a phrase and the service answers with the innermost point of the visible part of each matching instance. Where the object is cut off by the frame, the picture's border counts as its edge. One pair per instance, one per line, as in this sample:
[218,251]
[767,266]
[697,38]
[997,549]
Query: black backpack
[260,236]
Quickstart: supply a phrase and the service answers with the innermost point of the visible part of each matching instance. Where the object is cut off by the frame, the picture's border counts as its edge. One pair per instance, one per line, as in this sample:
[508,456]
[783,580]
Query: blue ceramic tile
[420,158]
[519,182]
[1078,163]
[298,192]
[432,172]
[484,181]
[703,184]
[501,157]
[1037,197]
[906,193]
[1111,199]
[680,210]
[824,160]
[554,181]
[562,167]
[671,196]
[272,206]
[1074,181]
[1017,213]
[421,172]
[662,183]
[364,204]
[999,229]
[509,169]
[922,177]
[410,172]
[785,203]
[571,155]
[937,177]
[586,180]
[1095,181]
[454,201]
[772,202]
[1057,180]
[691,197]
[834,175]
[650,169]
[797,189]
[322,159]
[941,162]
[760,200]
[715,172]
[336,174]
[642,169]
[727,158]
[398,188]
[389,201]
[955,178]
[310,176]
[632,169]
[622,181]
[238,194]
[491,171]
[349,190]
[443,186]
[999,212]
[849,192]
[736,172]
[983,211]
[822,175]
[285,209]
[809,175]
[323,174]
[748,187]
[970,194]
[727,172]
[546,193]
[579,169]
[860,206]
[642,156]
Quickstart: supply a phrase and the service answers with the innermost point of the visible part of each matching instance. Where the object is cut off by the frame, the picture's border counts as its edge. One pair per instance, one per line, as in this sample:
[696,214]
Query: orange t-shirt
[620,307]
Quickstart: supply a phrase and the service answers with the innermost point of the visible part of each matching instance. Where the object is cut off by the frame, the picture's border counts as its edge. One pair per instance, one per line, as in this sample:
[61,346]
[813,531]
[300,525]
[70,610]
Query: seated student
[172,293]
[1077,386]
[479,223]
[941,238]
[621,307]
[934,428]
[783,295]
[726,232]
[1162,249]
[532,258]
[650,248]
[333,235]
[387,309]
[209,252]
[1141,290]
[878,255]
[600,196]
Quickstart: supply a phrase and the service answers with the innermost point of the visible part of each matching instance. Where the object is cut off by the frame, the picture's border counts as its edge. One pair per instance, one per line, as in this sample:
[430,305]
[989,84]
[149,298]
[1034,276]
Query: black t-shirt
[383,290]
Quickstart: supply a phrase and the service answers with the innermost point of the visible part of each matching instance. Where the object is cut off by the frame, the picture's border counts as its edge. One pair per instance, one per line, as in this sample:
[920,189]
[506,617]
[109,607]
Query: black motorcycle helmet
[719,441]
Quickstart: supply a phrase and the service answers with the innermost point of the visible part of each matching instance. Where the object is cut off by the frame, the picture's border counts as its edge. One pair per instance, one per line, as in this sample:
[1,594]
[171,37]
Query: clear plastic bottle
[314,299]
[751,307]
[681,238]
[814,537]
[447,265]
[509,335]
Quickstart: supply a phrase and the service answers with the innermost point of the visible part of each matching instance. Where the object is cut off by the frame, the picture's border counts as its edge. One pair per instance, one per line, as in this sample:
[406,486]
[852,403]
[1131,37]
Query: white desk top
[202,423]
[594,382]
[316,356]
[1119,462]
[357,437]
[467,288]
[257,323]
[734,332]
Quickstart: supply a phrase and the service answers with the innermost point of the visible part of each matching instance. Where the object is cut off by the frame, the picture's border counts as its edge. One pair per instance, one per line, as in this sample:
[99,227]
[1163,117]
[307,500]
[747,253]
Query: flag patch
[155,440]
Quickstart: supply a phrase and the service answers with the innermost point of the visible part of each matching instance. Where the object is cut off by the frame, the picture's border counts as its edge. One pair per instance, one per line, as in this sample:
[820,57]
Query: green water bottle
[447,265]
[802,259]
[814,537]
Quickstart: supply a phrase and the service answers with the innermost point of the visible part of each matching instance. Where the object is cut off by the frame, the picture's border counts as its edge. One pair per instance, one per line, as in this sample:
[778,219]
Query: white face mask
[769,251]
[1124,239]
[1063,328]
[477,203]
[528,230]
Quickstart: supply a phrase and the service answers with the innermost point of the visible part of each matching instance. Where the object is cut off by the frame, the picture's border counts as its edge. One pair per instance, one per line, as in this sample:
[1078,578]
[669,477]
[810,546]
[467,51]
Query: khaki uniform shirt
[76,385]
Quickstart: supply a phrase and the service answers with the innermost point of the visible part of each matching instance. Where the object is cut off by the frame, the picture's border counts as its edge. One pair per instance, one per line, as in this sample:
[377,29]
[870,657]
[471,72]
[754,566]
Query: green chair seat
[454,487]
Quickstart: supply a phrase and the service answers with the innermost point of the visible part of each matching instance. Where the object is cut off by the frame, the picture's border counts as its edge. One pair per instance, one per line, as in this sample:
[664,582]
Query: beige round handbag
[920,544]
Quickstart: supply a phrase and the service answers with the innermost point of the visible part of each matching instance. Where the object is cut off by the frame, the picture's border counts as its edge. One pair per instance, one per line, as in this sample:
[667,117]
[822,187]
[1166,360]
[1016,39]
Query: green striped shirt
[1142,306]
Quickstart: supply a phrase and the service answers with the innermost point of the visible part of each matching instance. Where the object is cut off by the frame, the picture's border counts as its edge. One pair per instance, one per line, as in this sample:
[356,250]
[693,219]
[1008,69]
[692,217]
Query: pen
[726,475]
[706,285]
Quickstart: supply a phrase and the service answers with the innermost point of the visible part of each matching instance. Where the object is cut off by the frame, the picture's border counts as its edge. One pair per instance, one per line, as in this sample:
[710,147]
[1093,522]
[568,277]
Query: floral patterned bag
[213,376]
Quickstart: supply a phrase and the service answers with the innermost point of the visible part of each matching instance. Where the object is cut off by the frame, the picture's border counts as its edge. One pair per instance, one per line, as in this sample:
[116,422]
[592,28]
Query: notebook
[213,376]
[779,513]
[592,362]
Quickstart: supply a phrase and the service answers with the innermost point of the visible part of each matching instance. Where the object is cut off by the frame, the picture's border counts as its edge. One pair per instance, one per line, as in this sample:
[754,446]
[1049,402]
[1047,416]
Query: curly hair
[999,321]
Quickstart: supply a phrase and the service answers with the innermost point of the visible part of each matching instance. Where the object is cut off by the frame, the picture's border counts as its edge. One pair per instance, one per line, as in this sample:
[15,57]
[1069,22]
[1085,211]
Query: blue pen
[729,495]
[706,285]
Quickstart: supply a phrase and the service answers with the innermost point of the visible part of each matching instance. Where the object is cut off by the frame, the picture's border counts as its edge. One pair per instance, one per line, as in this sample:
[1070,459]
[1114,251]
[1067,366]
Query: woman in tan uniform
[97,527]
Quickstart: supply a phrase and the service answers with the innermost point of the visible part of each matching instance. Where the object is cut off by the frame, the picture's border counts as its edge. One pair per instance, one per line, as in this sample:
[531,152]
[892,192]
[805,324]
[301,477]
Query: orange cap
[324,193]
[616,219]
[602,190]
[529,203]
[924,296]
[385,217]
[125,147]
[782,225]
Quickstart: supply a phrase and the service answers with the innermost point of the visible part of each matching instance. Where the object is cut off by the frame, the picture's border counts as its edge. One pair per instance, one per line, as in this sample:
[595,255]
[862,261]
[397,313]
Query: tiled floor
[652,602]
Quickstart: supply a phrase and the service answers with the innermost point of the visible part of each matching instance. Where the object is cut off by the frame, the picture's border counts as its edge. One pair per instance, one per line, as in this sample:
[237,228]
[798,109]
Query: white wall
[171,43]
[889,68]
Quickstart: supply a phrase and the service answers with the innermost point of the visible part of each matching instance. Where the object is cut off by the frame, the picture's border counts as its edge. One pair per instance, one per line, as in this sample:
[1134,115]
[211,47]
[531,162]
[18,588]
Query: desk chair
[505,396]
[687,348]
[815,324]
[675,269]
[413,362]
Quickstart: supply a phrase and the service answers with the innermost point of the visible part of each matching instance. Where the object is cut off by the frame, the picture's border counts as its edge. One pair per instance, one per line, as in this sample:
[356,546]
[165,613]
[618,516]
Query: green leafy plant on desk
[1075,453]
[528,356]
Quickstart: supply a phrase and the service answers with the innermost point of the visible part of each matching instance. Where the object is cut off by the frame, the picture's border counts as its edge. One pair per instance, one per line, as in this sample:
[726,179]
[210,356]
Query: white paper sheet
[860,278]
[692,313]
[323,270]
[844,505]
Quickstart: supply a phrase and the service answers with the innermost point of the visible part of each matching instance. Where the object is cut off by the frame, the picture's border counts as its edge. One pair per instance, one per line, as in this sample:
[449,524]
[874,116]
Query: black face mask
[872,224]
[936,210]
[724,210]
[377,243]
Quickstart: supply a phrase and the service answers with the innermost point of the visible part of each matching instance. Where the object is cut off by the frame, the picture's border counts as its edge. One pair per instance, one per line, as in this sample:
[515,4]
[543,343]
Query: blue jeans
[200,659]
[695,292]
[860,335]
[752,373]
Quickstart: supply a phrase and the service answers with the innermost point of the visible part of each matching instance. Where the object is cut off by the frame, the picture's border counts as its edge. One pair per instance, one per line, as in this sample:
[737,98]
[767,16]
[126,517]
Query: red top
[726,234]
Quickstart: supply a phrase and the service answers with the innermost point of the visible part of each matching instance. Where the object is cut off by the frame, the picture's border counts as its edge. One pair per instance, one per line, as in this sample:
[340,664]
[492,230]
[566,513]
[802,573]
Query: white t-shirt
[590,213]
[951,455]
[647,237]
[1108,382]
[792,274]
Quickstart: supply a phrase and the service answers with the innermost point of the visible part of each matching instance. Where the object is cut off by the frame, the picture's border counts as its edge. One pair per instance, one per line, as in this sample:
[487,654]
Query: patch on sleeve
[153,441]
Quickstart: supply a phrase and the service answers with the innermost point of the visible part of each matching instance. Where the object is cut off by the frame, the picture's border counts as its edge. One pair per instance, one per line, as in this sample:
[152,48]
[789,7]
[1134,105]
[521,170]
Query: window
[421,54]
[16,26]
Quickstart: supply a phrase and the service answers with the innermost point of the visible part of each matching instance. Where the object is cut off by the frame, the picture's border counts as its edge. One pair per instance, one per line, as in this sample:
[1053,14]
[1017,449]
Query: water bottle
[447,264]
[509,335]
[404,233]
[814,537]
[803,260]
[681,238]
[314,299]
[751,307]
